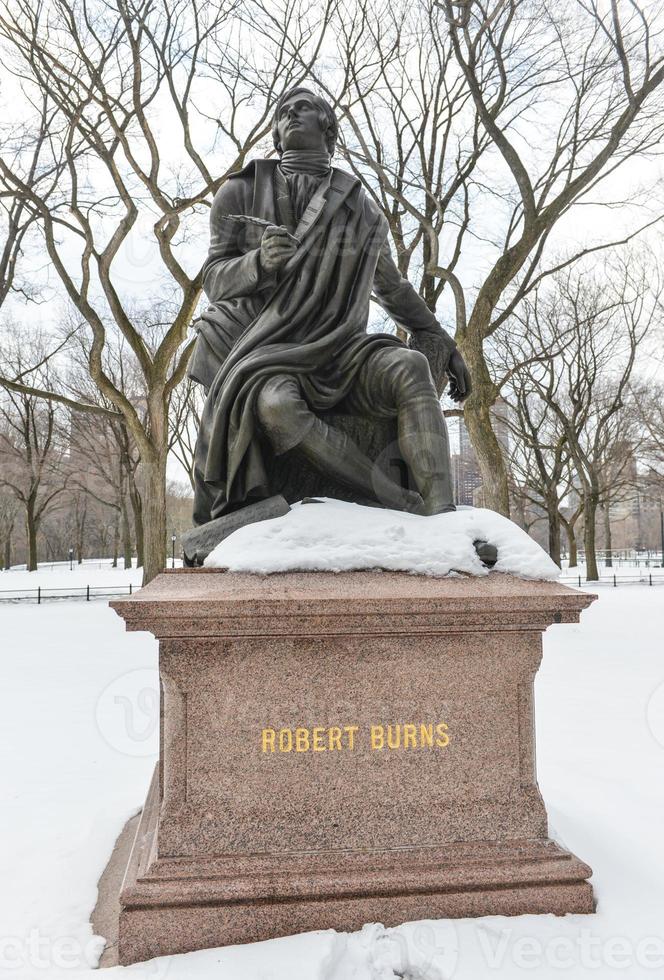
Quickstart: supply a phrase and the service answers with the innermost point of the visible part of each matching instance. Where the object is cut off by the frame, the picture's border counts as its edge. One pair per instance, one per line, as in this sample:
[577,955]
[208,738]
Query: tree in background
[482,127]
[32,455]
[185,419]
[575,356]
[116,79]
[9,510]
[439,104]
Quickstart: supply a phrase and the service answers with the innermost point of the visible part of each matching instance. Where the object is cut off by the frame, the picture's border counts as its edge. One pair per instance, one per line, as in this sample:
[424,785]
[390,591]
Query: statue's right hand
[277,246]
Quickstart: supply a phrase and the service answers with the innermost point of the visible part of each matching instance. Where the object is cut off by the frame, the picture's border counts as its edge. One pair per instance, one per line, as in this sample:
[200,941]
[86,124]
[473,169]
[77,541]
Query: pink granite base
[278,806]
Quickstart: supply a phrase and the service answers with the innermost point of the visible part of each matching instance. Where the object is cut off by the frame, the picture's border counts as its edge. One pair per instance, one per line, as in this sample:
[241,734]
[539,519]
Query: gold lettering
[377,737]
[334,738]
[285,740]
[409,737]
[318,740]
[323,739]
[443,738]
[269,736]
[350,731]
[393,741]
[426,735]
[301,739]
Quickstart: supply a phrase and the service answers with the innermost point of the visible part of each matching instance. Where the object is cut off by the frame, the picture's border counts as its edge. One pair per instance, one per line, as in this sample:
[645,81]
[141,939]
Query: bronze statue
[297,247]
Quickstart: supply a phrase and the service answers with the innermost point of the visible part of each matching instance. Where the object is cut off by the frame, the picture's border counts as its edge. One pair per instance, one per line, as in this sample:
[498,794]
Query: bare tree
[9,509]
[571,512]
[103,440]
[32,469]
[116,78]
[483,125]
[590,331]
[539,461]
[184,421]
[649,400]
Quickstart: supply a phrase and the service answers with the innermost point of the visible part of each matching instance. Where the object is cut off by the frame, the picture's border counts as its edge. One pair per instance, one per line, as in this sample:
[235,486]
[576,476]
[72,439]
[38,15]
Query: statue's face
[299,125]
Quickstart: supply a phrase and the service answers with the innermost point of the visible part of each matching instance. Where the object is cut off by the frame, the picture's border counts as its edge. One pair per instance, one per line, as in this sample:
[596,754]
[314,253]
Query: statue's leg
[289,423]
[398,381]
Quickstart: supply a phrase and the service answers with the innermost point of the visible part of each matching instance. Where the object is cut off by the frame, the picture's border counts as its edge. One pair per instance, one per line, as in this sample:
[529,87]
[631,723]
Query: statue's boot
[333,452]
[424,444]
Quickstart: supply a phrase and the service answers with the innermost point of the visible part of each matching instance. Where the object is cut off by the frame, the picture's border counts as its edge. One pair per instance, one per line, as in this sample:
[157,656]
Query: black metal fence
[612,580]
[85,592]
[89,592]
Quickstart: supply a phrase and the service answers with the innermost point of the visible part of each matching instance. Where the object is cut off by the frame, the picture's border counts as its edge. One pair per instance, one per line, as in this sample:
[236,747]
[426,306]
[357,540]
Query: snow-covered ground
[78,730]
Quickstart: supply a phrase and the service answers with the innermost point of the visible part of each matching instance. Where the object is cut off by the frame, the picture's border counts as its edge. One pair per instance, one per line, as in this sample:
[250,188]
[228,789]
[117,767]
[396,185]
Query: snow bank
[336,536]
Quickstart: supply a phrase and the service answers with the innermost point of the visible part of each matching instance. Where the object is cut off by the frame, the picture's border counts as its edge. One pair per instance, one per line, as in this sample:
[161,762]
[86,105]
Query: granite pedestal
[340,749]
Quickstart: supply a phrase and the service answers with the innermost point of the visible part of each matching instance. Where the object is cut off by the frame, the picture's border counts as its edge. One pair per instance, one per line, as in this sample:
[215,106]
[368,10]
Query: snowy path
[78,735]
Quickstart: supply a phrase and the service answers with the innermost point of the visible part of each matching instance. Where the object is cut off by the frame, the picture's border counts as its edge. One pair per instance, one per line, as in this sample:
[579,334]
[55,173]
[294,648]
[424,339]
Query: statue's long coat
[310,320]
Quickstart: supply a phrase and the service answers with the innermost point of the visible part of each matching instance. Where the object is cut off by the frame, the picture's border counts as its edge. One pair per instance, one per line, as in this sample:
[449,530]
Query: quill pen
[248,219]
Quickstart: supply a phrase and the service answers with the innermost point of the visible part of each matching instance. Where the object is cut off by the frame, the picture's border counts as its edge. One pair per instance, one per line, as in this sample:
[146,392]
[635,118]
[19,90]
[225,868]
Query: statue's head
[304,121]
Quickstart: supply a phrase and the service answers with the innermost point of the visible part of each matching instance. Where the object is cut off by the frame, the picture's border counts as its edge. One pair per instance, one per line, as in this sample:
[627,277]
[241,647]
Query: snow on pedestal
[335,536]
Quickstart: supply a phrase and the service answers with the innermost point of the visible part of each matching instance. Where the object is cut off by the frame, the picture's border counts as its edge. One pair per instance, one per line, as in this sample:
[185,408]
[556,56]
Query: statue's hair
[327,117]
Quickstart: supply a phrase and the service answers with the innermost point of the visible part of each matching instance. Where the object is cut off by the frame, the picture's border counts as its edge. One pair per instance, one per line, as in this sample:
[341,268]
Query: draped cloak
[309,320]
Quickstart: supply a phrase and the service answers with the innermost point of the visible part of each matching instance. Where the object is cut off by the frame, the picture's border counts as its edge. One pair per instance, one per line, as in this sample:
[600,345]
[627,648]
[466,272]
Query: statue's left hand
[457,372]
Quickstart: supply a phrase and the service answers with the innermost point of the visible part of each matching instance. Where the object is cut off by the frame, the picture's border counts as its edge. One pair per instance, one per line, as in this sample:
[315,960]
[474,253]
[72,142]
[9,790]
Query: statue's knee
[413,372]
[276,402]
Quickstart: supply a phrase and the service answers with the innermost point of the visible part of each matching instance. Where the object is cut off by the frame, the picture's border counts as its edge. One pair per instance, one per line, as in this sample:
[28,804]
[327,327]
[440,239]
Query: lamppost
[173,550]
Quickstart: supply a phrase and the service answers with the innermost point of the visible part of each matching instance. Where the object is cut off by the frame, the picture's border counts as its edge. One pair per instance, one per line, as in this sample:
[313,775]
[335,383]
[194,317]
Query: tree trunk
[116,538]
[570,531]
[137,510]
[8,550]
[154,515]
[31,528]
[554,531]
[80,537]
[573,547]
[477,416]
[126,532]
[477,409]
[589,516]
[607,535]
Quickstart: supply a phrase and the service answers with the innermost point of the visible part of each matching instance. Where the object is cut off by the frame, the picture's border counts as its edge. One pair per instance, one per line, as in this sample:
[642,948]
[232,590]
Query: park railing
[90,592]
[85,592]
[612,580]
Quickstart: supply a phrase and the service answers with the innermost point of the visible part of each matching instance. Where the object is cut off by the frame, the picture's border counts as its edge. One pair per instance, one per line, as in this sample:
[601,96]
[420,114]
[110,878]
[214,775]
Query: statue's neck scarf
[315,163]
[303,170]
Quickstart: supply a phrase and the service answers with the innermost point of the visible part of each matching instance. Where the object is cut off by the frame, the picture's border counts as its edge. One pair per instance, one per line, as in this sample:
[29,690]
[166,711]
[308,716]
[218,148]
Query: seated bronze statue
[297,249]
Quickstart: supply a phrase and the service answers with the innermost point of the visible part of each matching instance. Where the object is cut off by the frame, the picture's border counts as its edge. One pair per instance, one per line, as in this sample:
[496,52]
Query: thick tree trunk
[554,531]
[589,517]
[137,511]
[607,535]
[154,515]
[477,416]
[31,528]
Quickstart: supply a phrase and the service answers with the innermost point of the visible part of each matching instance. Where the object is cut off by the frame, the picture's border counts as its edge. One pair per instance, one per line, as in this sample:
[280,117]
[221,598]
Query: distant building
[465,468]
[467,480]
